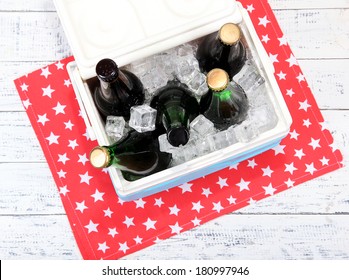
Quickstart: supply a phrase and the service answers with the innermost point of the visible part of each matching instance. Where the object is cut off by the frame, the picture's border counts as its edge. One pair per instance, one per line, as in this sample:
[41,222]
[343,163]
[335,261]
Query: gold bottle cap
[217,79]
[230,34]
[100,157]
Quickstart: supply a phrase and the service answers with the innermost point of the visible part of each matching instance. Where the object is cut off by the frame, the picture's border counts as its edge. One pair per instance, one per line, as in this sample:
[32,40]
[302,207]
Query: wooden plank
[32,37]
[308,4]
[327,79]
[316,33]
[228,237]
[28,188]
[312,34]
[47,5]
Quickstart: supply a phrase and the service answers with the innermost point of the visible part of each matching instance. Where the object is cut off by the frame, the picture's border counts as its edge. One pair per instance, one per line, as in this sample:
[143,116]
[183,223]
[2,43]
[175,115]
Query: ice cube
[264,118]
[185,50]
[165,146]
[198,83]
[142,118]
[249,77]
[219,140]
[245,132]
[202,126]
[115,127]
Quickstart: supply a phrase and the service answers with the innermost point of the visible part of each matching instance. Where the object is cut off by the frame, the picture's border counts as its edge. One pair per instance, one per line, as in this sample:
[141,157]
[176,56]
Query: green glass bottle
[118,90]
[226,103]
[176,107]
[137,156]
[222,49]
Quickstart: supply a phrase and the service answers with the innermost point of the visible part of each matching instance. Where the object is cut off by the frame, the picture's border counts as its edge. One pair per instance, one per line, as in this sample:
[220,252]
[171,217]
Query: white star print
[251,201]
[98,196]
[273,58]
[26,103]
[149,224]
[250,8]
[63,158]
[252,163]
[61,174]
[85,178]
[281,75]
[290,168]
[292,61]
[128,221]
[83,159]
[81,206]
[310,168]
[315,143]
[52,139]
[45,72]
[138,240]
[158,202]
[279,149]
[197,206]
[59,109]
[304,105]
[300,78]
[269,190]
[324,161]
[108,212]
[243,185]
[140,203]
[267,171]
[63,190]
[73,144]
[123,247]
[283,41]
[234,166]
[67,83]
[299,153]
[24,87]
[290,92]
[196,222]
[174,210]
[120,201]
[186,187]
[289,183]
[43,119]
[68,125]
[175,228]
[206,192]
[324,126]
[333,146]
[222,182]
[92,227]
[103,247]
[232,200]
[294,135]
[157,240]
[306,123]
[263,21]
[47,91]
[59,65]
[112,232]
[217,207]
[265,38]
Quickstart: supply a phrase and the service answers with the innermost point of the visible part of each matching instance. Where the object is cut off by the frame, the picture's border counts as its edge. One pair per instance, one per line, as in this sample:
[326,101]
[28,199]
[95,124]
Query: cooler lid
[127,30]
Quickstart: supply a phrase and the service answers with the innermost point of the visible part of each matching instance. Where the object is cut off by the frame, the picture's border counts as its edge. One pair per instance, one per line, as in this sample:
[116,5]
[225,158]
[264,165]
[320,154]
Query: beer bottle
[118,90]
[222,49]
[138,155]
[176,107]
[226,103]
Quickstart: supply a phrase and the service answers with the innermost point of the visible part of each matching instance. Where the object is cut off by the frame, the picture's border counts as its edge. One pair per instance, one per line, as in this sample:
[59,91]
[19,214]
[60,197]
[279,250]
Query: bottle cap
[100,157]
[229,34]
[107,70]
[217,79]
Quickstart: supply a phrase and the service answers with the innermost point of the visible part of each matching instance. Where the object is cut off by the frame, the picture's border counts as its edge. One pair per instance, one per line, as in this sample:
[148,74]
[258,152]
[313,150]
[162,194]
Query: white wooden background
[308,222]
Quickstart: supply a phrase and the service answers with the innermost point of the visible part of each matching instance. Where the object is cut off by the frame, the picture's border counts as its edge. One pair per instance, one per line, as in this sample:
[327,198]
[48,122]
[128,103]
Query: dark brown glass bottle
[176,107]
[118,91]
[226,103]
[138,155]
[222,49]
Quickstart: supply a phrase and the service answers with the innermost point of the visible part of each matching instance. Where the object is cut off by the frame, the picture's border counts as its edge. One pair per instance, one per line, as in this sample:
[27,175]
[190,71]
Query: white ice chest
[127,30]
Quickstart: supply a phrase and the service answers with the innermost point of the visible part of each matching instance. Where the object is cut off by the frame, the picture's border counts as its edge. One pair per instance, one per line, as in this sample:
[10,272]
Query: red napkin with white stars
[105,227]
